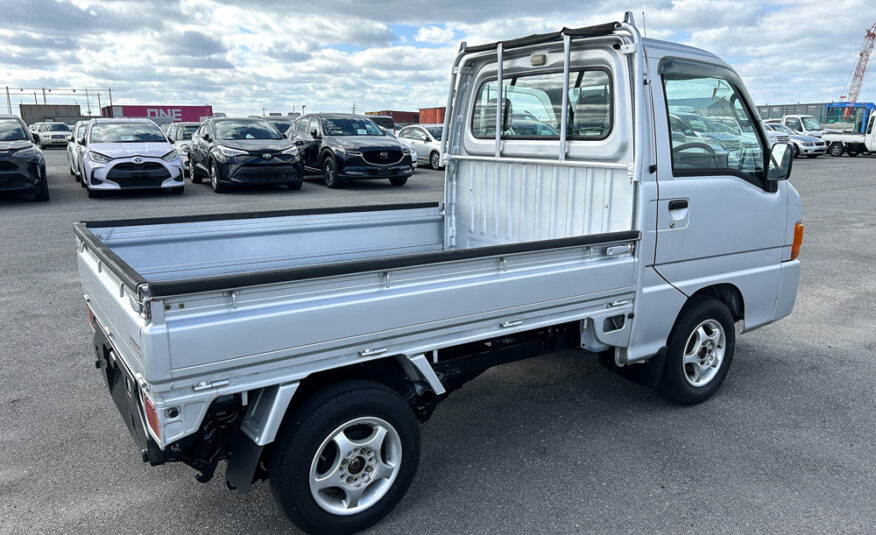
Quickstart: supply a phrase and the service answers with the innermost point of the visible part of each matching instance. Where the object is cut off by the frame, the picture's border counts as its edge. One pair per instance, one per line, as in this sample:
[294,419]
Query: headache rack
[566,35]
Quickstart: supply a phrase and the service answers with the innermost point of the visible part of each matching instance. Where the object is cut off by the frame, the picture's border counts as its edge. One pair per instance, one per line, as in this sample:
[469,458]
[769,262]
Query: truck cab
[806,125]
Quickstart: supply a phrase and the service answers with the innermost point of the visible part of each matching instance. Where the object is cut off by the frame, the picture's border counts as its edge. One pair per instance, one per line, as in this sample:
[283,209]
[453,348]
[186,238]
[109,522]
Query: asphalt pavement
[554,444]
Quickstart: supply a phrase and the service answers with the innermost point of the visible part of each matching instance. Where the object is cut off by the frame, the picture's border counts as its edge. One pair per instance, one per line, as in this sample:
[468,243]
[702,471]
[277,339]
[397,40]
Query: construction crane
[854,86]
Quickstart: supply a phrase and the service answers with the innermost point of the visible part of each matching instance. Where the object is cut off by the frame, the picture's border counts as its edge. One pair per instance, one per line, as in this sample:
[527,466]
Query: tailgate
[113,301]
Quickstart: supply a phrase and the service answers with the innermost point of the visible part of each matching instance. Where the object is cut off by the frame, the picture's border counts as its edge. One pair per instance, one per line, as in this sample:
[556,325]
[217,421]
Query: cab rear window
[532,106]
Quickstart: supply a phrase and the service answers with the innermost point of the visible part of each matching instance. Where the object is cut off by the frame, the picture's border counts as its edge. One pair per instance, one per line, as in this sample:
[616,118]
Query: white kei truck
[853,143]
[303,347]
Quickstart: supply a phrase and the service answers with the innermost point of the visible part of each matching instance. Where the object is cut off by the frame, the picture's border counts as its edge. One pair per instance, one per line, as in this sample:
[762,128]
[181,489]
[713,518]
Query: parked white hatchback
[128,154]
[426,140]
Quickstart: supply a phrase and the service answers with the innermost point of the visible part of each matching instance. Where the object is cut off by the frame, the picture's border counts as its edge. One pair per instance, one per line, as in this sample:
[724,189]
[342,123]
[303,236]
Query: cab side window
[712,131]
[794,124]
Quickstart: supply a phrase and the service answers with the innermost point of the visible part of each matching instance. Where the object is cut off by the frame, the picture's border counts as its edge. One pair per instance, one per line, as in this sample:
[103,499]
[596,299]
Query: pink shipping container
[159,113]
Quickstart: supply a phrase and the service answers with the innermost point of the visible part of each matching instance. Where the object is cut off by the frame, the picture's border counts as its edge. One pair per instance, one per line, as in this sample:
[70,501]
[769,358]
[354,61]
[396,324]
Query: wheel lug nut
[350,480]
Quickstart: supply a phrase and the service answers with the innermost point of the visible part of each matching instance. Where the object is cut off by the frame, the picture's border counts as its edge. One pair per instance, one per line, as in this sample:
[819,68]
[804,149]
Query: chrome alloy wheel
[355,466]
[704,353]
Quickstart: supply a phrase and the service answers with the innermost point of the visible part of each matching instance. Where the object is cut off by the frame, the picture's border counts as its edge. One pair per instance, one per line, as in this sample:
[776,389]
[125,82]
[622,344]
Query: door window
[698,108]
[794,124]
[314,124]
[870,125]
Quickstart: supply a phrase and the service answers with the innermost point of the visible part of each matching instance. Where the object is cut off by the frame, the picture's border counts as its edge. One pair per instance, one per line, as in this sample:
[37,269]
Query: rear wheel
[852,153]
[398,181]
[330,173]
[836,149]
[699,351]
[345,457]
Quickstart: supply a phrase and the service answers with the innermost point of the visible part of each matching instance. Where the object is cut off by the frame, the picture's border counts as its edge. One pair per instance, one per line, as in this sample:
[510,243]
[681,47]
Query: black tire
[93,193]
[70,168]
[796,151]
[178,191]
[812,156]
[82,181]
[674,383]
[836,149]
[193,172]
[330,173]
[435,160]
[398,181]
[306,428]
[218,187]
[852,153]
[42,194]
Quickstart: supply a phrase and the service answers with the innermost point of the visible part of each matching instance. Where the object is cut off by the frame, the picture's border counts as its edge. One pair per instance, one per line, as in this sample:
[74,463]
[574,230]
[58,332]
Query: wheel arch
[727,293]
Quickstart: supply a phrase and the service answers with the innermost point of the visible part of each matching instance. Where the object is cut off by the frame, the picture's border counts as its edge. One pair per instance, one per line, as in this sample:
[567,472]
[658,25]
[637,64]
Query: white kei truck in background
[303,347]
[853,144]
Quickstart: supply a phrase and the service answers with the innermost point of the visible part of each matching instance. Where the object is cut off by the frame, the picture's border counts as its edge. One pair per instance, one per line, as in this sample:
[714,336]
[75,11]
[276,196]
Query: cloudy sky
[243,56]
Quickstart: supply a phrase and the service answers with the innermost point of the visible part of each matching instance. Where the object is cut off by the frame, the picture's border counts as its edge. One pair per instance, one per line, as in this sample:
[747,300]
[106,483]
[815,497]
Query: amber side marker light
[798,239]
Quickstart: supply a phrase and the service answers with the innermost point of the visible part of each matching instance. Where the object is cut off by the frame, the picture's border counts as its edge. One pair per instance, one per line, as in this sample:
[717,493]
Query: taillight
[798,240]
[151,415]
[91,319]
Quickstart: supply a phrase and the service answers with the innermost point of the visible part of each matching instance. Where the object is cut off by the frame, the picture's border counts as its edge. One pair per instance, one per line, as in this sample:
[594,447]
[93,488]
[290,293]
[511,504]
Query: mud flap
[242,461]
[647,373]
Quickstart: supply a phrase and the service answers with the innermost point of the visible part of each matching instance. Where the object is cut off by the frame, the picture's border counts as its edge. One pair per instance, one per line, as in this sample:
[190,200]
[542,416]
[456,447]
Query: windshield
[126,133]
[700,124]
[57,127]
[811,123]
[343,126]
[282,126]
[188,131]
[436,132]
[385,122]
[246,130]
[781,128]
[11,130]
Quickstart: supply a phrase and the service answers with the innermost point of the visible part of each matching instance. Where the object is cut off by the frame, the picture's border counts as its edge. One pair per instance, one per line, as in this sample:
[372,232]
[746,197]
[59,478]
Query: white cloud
[384,55]
[433,34]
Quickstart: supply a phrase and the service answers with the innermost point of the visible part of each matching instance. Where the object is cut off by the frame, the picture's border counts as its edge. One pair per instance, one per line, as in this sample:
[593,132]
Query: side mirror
[81,140]
[781,157]
[206,137]
[36,137]
[170,139]
[69,138]
[314,133]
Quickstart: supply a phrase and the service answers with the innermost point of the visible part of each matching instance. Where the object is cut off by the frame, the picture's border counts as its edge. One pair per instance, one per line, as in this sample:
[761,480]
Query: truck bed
[269,295]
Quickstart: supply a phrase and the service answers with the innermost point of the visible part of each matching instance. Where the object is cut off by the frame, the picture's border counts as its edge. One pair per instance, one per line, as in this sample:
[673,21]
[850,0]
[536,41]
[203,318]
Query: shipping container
[432,115]
[159,113]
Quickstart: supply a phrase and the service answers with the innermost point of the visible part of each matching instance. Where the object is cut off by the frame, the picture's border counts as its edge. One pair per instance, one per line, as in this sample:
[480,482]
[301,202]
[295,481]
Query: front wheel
[836,149]
[435,160]
[218,187]
[795,150]
[699,351]
[345,457]
[193,172]
[812,156]
[330,173]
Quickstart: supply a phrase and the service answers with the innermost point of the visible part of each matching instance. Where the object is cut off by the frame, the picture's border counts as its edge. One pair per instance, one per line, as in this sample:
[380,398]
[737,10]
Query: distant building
[432,115]
[776,111]
[62,113]
[401,118]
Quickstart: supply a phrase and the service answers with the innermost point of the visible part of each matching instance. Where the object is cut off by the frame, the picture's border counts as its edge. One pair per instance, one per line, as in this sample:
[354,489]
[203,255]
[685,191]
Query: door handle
[678,204]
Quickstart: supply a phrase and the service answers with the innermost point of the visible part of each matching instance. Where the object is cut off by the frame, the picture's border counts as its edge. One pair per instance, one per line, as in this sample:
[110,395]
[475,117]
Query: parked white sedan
[426,140]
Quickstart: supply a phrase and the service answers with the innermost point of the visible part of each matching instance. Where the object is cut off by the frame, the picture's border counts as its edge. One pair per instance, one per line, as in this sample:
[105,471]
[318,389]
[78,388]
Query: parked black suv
[22,165]
[243,151]
[343,147]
